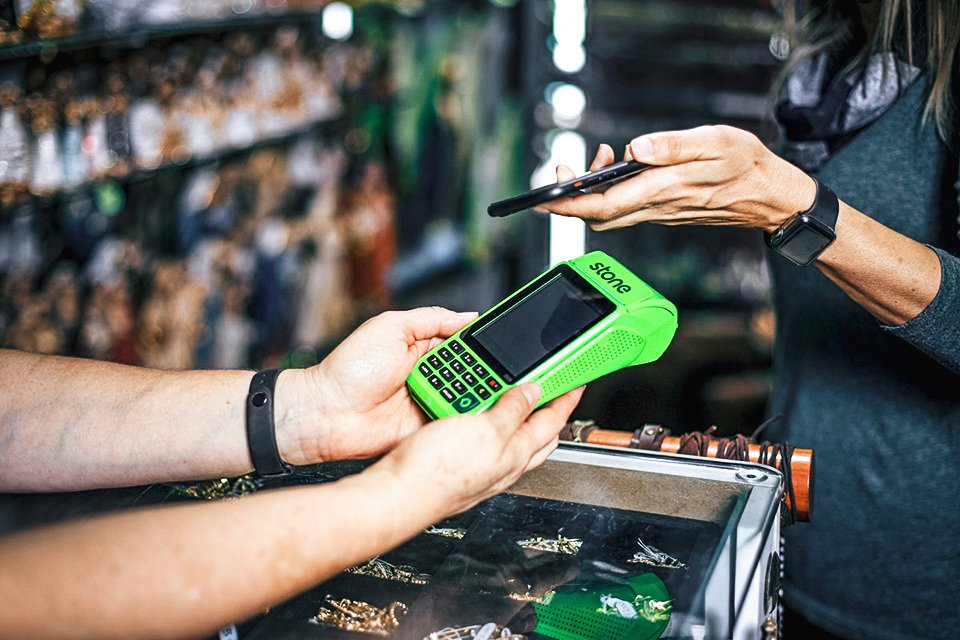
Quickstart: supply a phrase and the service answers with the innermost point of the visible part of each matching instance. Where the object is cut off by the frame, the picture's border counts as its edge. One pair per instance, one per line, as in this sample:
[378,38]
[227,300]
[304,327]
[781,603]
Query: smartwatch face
[526,330]
[803,242]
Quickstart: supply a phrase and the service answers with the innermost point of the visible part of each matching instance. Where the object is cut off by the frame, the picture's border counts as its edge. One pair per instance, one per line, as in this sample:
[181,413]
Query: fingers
[603,158]
[429,322]
[544,453]
[543,426]
[603,205]
[513,407]
[677,147]
[531,437]
[565,173]
[599,204]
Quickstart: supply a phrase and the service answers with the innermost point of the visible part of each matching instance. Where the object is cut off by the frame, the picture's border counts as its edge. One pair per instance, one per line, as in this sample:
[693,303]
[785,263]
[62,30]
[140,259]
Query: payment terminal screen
[542,323]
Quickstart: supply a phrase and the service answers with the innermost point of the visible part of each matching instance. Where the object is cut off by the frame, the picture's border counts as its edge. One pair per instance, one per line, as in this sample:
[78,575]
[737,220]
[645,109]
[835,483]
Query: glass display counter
[597,543]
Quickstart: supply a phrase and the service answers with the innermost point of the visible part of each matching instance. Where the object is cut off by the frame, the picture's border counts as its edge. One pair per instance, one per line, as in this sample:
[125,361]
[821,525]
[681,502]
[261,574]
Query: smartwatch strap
[261,428]
[825,208]
[822,213]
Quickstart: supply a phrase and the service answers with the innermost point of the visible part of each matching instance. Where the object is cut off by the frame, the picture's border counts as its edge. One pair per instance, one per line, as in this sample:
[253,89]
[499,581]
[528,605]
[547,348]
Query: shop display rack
[136,35]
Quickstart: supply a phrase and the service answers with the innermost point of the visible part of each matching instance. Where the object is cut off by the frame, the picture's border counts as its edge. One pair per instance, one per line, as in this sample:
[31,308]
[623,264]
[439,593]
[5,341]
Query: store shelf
[136,35]
[732,19]
[321,127]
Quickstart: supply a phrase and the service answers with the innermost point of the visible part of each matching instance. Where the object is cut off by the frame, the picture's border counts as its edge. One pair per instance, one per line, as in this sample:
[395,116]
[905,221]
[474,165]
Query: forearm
[891,276]
[177,571]
[174,571]
[67,423]
[725,176]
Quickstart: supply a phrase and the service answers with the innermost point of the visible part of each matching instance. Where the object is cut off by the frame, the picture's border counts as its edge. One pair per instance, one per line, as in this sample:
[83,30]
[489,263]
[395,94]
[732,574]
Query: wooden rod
[801,463]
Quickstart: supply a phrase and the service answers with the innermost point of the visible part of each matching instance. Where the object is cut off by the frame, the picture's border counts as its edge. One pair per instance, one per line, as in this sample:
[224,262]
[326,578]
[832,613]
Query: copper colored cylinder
[801,463]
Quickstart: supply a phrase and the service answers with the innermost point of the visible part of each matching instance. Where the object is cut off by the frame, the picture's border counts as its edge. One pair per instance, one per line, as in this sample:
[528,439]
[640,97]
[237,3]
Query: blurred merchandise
[188,203]
[14,154]
[244,182]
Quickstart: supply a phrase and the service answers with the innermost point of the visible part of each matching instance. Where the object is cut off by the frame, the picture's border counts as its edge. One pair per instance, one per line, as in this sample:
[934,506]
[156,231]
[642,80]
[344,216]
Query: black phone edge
[610,173]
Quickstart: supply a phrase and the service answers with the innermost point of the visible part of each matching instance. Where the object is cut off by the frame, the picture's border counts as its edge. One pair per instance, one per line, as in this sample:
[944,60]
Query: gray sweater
[879,405]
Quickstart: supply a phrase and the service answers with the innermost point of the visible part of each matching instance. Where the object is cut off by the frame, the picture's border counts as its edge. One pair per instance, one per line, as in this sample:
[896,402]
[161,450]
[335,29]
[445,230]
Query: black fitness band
[261,428]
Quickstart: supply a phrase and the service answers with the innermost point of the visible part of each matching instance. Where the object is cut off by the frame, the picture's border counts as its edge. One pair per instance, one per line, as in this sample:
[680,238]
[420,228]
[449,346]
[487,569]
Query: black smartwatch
[804,236]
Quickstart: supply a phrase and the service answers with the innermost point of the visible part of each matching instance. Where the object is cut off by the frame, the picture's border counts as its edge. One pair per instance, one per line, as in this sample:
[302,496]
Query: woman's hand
[354,404]
[713,175]
[454,463]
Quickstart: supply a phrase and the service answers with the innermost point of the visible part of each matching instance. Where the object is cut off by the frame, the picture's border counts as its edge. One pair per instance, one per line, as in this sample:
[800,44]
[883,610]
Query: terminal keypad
[465,382]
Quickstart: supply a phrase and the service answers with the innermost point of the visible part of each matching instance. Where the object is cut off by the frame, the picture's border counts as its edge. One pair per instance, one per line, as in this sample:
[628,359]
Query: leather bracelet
[261,428]
[648,437]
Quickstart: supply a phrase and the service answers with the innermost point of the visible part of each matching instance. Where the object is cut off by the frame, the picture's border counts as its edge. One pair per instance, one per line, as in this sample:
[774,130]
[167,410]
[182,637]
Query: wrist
[808,233]
[400,486]
[298,418]
[791,191]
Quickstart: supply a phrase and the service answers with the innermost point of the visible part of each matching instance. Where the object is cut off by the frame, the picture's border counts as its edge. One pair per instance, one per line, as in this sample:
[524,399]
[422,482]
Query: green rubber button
[465,402]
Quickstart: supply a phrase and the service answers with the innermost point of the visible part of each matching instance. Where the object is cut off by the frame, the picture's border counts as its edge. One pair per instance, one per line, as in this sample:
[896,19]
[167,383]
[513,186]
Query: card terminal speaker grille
[618,343]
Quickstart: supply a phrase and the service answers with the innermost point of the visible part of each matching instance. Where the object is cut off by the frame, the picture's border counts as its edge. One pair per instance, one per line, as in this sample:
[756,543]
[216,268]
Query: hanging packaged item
[74,163]
[46,176]
[14,151]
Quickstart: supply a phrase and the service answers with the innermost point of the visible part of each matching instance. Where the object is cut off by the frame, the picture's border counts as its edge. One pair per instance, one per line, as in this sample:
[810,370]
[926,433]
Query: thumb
[603,158]
[565,173]
[429,322]
[514,407]
[674,147]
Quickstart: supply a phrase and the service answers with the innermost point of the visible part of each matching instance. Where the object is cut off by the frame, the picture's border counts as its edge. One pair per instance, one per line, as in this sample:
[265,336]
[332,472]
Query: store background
[239,183]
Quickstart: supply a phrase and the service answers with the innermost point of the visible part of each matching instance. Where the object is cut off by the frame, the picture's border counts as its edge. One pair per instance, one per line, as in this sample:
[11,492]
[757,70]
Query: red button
[493,384]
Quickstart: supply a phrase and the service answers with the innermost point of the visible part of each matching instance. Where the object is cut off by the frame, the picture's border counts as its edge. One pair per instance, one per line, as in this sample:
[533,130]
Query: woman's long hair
[815,25]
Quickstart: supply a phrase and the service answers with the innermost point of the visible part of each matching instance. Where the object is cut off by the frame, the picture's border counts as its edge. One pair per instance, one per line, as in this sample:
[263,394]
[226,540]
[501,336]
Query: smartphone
[575,322]
[605,176]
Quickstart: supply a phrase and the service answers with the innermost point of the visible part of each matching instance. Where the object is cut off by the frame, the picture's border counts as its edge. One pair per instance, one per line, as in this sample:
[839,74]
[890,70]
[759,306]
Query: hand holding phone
[605,176]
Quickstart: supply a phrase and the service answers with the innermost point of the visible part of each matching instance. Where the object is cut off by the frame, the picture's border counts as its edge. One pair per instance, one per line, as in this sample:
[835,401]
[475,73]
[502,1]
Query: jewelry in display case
[380,568]
[220,488]
[446,532]
[568,546]
[356,615]
[652,556]
[488,631]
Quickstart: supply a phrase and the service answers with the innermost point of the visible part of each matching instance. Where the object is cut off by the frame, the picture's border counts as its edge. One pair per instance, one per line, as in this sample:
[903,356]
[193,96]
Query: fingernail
[532,392]
[641,148]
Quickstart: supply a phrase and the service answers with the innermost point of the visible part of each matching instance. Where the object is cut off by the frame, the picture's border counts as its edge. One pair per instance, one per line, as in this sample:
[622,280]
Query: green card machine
[574,323]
